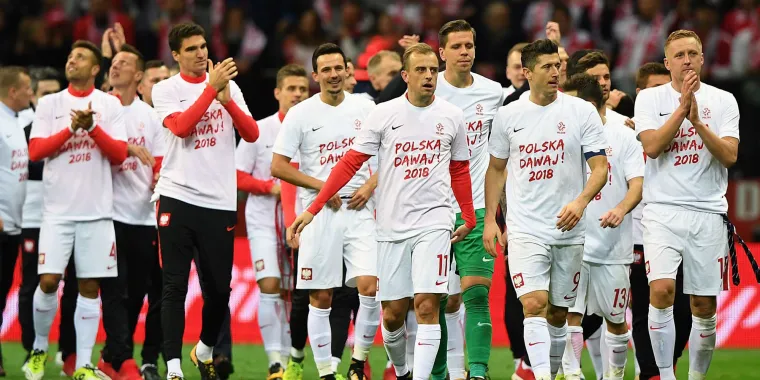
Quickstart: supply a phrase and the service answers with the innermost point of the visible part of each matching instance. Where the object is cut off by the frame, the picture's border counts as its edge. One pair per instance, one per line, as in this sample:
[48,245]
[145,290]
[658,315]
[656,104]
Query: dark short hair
[532,51]
[91,47]
[325,49]
[43,73]
[453,27]
[154,64]
[127,48]
[181,31]
[588,88]
[649,69]
[585,61]
[291,70]
[9,77]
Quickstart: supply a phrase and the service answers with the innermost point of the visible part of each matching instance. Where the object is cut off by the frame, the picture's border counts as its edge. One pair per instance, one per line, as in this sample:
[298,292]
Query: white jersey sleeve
[592,137]
[368,141]
[290,136]
[730,121]
[459,149]
[633,163]
[159,136]
[42,125]
[498,145]
[644,111]
[165,102]
[245,156]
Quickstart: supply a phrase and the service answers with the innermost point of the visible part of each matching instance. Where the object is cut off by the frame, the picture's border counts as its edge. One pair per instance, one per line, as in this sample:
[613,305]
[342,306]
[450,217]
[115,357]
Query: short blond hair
[377,59]
[418,48]
[679,34]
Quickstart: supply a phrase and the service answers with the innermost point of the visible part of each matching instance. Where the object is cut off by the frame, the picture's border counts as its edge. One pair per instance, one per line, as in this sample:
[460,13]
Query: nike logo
[518,130]
[485,260]
[43,311]
[111,267]
[534,343]
[706,336]
[93,317]
[615,314]
[397,127]
[182,100]
[322,345]
[665,114]
[450,349]
[656,328]
[269,146]
[368,337]
[423,344]
[481,324]
[265,326]
[316,129]
[618,352]
[230,228]
[58,117]
[569,298]
[441,282]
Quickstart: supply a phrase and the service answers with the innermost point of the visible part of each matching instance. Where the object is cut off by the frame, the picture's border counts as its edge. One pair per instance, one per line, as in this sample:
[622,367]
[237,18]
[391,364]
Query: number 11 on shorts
[443,265]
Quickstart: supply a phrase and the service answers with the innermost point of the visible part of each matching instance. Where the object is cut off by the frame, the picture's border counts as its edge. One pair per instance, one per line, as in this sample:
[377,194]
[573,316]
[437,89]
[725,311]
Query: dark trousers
[29,281]
[190,233]
[224,341]
[640,311]
[9,245]
[153,343]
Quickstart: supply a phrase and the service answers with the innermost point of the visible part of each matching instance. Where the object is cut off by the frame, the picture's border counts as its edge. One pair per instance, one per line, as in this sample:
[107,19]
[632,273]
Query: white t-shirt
[132,179]
[198,169]
[414,147]
[545,146]
[14,170]
[624,162]
[686,174]
[32,210]
[256,159]
[615,118]
[322,134]
[479,102]
[508,91]
[77,178]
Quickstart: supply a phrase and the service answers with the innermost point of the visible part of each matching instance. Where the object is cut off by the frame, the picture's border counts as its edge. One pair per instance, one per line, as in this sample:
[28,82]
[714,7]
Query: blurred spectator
[172,12]
[382,68]
[300,44]
[384,38]
[716,42]
[641,37]
[407,14]
[494,37]
[353,28]
[36,45]
[431,24]
[101,16]
[746,15]
[242,39]
[573,39]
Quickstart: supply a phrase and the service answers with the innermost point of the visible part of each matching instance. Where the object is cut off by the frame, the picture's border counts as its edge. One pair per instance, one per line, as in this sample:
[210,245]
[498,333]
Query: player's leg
[703,267]
[113,292]
[152,345]
[343,301]
[215,237]
[431,252]
[360,255]
[608,296]
[264,256]
[9,246]
[394,277]
[475,268]
[223,348]
[56,244]
[320,260]
[297,320]
[95,257]
[176,247]
[29,280]
[563,292]
[664,232]
[67,338]
[513,321]
[640,320]
[681,317]
[571,358]
[454,325]
[440,371]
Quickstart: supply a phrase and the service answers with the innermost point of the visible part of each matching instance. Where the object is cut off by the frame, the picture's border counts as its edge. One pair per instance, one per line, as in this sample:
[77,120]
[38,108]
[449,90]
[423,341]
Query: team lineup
[389,214]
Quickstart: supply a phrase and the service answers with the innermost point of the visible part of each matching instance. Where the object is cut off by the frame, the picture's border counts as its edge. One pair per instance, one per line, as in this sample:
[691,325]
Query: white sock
[174,367]
[270,324]
[45,308]
[365,326]
[203,352]
[320,338]
[571,362]
[428,341]
[701,345]
[86,323]
[617,352]
[604,350]
[662,333]
[558,342]
[334,364]
[537,344]
[411,336]
[593,344]
[395,347]
[298,354]
[637,367]
[285,341]
[455,345]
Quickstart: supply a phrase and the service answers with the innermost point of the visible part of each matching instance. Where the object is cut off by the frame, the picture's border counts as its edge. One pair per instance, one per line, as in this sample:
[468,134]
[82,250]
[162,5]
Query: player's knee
[367,286]
[617,328]
[453,303]
[320,298]
[427,308]
[662,293]
[574,319]
[703,307]
[475,298]
[269,285]
[556,316]
[534,306]
[394,314]
[49,283]
[89,287]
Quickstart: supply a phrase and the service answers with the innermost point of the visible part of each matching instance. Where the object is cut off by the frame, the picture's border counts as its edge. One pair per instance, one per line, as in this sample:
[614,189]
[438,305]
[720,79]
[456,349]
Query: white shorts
[604,290]
[332,238]
[270,259]
[419,264]
[699,239]
[93,243]
[455,283]
[537,266]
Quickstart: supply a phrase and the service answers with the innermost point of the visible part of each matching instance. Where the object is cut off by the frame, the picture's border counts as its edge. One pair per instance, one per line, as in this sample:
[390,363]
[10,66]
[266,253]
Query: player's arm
[113,147]
[496,178]
[282,169]
[655,140]
[614,217]
[339,177]
[241,116]
[41,143]
[725,148]
[181,123]
[361,196]
[245,162]
[288,198]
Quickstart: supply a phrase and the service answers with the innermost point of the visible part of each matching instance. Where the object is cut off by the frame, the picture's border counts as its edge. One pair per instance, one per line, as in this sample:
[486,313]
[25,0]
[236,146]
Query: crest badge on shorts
[41,259]
[306,274]
[28,245]
[518,280]
[259,265]
[163,220]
